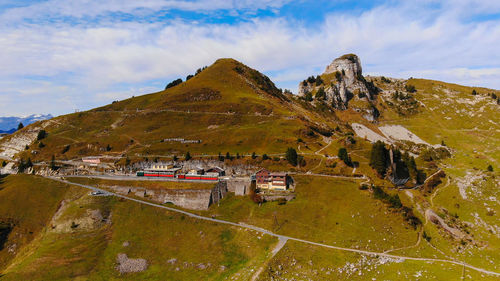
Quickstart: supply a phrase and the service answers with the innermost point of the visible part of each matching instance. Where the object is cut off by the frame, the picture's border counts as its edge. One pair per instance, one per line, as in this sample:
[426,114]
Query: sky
[58,56]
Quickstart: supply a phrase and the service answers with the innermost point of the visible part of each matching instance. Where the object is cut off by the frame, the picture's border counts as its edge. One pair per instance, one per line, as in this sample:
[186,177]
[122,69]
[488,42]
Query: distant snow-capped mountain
[9,124]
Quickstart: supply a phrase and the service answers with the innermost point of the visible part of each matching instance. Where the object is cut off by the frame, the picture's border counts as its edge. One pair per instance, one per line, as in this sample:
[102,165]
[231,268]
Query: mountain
[9,124]
[396,179]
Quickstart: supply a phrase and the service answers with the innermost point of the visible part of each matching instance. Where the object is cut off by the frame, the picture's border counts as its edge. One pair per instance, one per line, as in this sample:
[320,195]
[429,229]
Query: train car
[193,177]
[181,176]
[140,174]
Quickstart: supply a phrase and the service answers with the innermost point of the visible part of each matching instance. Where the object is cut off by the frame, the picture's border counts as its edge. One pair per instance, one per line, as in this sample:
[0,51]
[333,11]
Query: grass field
[88,251]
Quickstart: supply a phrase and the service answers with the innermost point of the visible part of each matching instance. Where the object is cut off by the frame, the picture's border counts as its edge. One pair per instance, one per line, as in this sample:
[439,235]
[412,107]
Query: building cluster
[171,171]
[181,140]
[266,180]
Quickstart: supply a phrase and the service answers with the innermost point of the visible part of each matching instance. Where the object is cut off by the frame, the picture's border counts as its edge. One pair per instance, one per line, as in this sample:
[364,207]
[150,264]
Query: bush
[363,187]
[490,168]
[4,163]
[265,157]
[410,88]
[108,147]
[426,237]
[65,149]
[474,92]
[187,157]
[41,145]
[20,126]
[254,155]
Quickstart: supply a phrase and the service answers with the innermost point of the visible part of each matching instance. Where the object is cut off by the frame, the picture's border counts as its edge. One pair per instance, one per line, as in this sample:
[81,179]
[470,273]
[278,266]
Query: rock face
[352,75]
[343,82]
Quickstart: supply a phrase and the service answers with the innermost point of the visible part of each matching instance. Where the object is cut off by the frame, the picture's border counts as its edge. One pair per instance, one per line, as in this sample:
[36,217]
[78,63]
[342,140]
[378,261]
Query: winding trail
[279,236]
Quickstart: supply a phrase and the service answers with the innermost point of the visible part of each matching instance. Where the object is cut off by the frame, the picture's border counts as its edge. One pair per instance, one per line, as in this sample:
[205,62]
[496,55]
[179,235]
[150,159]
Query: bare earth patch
[126,265]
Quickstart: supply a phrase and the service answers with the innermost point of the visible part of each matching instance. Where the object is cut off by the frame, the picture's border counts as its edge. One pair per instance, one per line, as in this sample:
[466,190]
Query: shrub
[474,92]
[281,201]
[65,149]
[108,147]
[254,155]
[20,126]
[410,88]
[426,237]
[41,145]
[490,168]
[187,157]
[363,187]
[265,157]
[4,163]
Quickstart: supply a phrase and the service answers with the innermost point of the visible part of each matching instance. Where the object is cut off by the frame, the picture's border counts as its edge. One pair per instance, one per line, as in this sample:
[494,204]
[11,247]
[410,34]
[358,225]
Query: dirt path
[281,243]
[264,231]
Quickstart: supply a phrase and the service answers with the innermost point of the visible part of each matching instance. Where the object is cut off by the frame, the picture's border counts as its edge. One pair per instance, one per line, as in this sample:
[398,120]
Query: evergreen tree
[29,164]
[254,155]
[4,163]
[21,166]
[379,158]
[320,94]
[41,135]
[308,96]
[228,156]
[291,156]
[319,81]
[20,126]
[188,156]
[344,156]
[490,168]
[265,157]
[174,83]
[53,163]
[175,158]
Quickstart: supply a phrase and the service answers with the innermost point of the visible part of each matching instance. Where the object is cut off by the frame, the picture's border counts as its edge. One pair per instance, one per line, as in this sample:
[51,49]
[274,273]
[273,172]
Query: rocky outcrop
[343,81]
[13,144]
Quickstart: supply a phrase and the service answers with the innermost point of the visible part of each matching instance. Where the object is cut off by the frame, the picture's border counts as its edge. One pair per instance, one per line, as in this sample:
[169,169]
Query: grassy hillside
[226,99]
[83,239]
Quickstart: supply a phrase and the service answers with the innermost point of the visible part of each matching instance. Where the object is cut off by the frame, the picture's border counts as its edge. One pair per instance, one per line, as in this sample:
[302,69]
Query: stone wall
[240,186]
[194,199]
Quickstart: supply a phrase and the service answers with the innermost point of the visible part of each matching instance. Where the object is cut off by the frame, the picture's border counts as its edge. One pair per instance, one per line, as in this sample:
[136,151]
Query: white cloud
[86,65]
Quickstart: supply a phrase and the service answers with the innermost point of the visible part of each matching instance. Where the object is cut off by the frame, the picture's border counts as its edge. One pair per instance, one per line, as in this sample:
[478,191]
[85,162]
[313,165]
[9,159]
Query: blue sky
[60,55]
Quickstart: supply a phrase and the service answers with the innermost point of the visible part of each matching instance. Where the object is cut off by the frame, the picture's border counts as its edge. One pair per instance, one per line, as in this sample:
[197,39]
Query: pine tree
[188,156]
[254,155]
[379,158]
[291,156]
[320,94]
[20,126]
[53,163]
[344,156]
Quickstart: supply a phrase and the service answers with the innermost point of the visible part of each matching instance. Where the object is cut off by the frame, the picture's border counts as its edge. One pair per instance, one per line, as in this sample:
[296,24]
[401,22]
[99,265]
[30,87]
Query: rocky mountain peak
[349,65]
